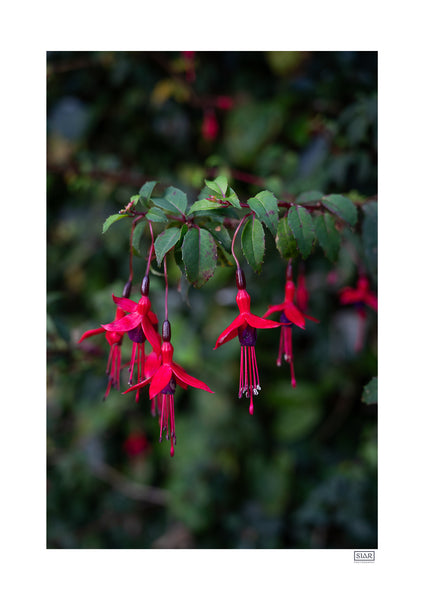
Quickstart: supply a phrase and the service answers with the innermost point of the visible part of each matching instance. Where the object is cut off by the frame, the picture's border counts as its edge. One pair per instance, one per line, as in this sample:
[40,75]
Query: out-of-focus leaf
[369,235]
[342,207]
[370,393]
[311,197]
[327,234]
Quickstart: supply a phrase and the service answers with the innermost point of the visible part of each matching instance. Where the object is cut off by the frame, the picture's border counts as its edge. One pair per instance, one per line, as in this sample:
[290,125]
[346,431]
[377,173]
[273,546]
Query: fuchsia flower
[114,340]
[245,326]
[210,125]
[162,384]
[290,315]
[140,324]
[360,297]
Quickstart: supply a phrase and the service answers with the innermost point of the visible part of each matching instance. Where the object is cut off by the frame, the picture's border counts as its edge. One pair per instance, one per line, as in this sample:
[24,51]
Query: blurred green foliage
[300,473]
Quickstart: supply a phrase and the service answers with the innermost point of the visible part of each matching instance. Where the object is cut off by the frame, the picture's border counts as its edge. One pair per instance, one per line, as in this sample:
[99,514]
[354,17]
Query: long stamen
[250,380]
[131,369]
[281,347]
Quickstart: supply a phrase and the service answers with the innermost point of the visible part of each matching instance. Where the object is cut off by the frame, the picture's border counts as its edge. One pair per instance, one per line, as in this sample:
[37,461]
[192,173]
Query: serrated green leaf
[218,185]
[253,243]
[369,236]
[285,240]
[156,215]
[165,241]
[174,201]
[328,236]
[112,219]
[300,222]
[199,255]
[204,205]
[265,206]
[370,392]
[342,207]
[311,197]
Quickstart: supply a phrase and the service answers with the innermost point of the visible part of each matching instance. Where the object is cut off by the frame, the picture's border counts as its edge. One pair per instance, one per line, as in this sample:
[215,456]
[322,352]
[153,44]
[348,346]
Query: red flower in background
[245,326]
[136,444]
[290,315]
[210,125]
[114,340]
[189,68]
[361,296]
[162,385]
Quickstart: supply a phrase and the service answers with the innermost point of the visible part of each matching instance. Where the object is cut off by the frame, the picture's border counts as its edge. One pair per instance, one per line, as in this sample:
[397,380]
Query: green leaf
[220,234]
[112,219]
[156,215]
[174,200]
[265,206]
[342,207]
[253,243]
[370,392]
[311,197]
[218,185]
[146,190]
[199,256]
[369,236]
[232,198]
[204,205]
[285,240]
[300,222]
[165,241]
[137,233]
[328,236]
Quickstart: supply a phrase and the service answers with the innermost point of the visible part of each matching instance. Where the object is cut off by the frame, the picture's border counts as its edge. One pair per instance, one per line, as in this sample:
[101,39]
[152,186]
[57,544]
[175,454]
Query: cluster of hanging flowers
[154,368]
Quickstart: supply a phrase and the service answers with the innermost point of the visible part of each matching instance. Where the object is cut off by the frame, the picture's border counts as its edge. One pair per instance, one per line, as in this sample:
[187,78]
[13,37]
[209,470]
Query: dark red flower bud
[127,289]
[145,286]
[166,331]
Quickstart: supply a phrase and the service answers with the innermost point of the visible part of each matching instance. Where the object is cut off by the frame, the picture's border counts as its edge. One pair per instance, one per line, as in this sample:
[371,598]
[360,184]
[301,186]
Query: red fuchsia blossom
[210,125]
[289,315]
[302,295]
[245,325]
[136,444]
[140,324]
[114,340]
[360,297]
[162,383]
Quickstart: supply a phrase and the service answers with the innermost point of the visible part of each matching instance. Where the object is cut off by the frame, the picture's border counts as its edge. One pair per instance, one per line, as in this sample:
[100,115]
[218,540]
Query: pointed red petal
[137,386]
[151,333]
[294,315]
[91,332]
[261,323]
[188,379]
[125,303]
[311,318]
[125,324]
[274,308]
[160,380]
[230,332]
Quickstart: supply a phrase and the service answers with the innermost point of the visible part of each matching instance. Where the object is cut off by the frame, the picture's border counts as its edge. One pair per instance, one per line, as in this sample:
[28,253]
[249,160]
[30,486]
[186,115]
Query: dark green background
[300,473]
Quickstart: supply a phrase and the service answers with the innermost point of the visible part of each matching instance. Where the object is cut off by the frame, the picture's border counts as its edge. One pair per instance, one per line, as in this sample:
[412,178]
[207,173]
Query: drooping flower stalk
[245,325]
[163,377]
[289,315]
